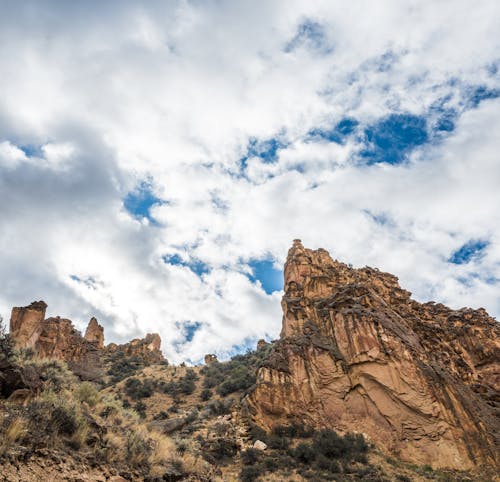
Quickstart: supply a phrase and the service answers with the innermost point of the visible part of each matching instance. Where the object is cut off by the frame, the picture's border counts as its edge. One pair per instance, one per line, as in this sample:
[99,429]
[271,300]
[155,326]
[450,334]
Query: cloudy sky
[157,158]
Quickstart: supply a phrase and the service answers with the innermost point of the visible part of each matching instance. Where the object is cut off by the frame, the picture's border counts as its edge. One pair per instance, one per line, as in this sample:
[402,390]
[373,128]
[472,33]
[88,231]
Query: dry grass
[163,448]
[87,392]
[14,432]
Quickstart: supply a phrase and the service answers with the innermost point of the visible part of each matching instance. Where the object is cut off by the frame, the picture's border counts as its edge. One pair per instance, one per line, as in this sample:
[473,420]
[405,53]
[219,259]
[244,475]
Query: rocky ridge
[57,338]
[356,353]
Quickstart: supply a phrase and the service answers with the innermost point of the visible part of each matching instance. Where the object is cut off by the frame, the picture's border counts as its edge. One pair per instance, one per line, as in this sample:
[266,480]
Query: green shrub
[298,430]
[402,478]
[54,374]
[270,464]
[277,442]
[137,389]
[304,453]
[182,447]
[6,346]
[237,374]
[324,463]
[186,386]
[51,420]
[64,420]
[257,433]
[140,408]
[222,448]
[206,394]
[87,392]
[220,407]
[250,456]
[191,375]
[123,366]
[331,445]
[161,415]
[251,473]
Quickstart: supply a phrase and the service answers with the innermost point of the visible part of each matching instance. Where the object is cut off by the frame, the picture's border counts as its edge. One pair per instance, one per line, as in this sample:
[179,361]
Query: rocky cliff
[147,348]
[57,338]
[95,333]
[356,353]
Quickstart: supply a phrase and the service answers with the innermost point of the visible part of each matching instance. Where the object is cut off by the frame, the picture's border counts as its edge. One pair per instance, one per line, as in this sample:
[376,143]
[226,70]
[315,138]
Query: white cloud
[11,155]
[173,91]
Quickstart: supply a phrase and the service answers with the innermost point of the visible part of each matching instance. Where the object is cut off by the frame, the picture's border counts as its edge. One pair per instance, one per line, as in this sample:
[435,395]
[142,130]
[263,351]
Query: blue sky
[156,161]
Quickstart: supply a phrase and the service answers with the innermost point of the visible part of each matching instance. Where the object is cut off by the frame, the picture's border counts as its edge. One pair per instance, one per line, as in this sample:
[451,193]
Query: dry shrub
[55,374]
[163,448]
[115,448]
[79,438]
[87,392]
[138,446]
[14,432]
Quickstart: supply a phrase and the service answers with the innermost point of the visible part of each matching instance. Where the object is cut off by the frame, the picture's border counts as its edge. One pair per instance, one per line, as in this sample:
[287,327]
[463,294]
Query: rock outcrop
[26,324]
[261,344]
[356,353]
[210,358]
[57,338]
[95,333]
[147,348]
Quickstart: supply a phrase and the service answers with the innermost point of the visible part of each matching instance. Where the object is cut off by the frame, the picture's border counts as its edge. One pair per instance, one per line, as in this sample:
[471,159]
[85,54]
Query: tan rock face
[26,323]
[95,333]
[148,348]
[57,338]
[358,354]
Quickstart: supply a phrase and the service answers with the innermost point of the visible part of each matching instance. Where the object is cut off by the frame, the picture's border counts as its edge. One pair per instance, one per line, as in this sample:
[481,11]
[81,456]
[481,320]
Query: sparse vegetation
[206,394]
[123,366]
[137,389]
[184,386]
[238,374]
[107,426]
[6,346]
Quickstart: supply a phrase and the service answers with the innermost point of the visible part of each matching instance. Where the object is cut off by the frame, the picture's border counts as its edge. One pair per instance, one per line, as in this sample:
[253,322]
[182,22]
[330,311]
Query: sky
[157,158]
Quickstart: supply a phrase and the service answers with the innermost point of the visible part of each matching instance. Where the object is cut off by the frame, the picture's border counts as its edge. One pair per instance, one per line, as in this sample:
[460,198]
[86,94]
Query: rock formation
[147,348]
[57,338]
[210,358]
[261,344]
[26,323]
[95,333]
[356,353]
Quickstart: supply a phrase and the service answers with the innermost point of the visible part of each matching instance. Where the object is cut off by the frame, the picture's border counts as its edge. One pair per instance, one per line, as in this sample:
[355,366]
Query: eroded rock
[358,354]
[95,333]
[57,338]
[148,348]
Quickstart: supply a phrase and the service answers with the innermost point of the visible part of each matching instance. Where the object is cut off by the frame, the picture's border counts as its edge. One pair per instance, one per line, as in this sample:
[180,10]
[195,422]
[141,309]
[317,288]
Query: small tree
[6,346]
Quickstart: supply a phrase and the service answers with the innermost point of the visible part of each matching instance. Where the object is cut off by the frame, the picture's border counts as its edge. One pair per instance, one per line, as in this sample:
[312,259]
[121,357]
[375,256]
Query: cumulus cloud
[152,155]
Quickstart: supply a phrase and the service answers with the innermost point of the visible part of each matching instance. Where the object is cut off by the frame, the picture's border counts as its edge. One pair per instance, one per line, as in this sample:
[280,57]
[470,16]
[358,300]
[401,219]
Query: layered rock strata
[356,353]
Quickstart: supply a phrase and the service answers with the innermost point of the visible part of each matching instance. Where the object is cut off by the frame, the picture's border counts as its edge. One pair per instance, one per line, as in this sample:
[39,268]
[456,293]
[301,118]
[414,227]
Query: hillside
[363,384]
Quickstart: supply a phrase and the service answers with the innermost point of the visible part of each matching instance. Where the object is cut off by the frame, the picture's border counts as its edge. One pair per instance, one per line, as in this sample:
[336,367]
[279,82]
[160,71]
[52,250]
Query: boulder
[259,445]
